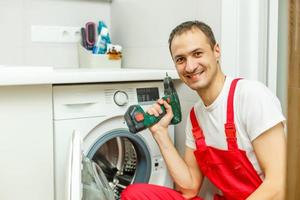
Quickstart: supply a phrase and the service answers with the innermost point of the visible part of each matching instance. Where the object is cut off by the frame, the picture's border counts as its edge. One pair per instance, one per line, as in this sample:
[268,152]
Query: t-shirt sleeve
[189,138]
[260,108]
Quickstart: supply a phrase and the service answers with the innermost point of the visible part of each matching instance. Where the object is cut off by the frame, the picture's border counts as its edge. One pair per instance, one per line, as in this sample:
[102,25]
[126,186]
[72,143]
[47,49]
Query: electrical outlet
[60,34]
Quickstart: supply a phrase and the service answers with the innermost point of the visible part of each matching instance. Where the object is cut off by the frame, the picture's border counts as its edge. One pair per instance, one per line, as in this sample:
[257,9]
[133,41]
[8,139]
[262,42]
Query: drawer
[77,101]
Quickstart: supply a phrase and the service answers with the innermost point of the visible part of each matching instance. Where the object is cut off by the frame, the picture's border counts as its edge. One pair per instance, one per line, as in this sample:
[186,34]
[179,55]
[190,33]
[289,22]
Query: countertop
[27,75]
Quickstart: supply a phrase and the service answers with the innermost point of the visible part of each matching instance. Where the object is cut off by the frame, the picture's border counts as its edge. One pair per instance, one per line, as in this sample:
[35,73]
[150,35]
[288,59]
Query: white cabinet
[26,143]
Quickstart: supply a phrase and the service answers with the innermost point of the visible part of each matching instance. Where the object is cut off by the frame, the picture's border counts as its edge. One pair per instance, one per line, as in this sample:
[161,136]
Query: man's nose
[191,65]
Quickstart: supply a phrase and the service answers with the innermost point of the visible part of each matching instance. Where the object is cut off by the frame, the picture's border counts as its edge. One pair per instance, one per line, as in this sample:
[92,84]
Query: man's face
[196,62]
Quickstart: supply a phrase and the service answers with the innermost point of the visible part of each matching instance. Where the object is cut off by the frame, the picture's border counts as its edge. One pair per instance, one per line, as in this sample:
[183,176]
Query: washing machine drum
[123,157]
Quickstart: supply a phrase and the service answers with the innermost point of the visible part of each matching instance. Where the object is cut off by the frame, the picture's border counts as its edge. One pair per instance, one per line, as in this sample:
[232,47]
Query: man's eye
[198,53]
[179,60]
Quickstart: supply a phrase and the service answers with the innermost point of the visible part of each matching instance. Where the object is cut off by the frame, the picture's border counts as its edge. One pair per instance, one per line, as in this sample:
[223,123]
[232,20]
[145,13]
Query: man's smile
[194,76]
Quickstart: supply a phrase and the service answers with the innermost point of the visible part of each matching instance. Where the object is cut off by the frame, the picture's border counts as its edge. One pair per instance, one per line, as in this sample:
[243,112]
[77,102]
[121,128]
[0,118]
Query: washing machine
[95,112]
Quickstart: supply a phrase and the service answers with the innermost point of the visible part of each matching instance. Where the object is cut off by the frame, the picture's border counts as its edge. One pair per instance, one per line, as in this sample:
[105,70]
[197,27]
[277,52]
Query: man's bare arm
[270,149]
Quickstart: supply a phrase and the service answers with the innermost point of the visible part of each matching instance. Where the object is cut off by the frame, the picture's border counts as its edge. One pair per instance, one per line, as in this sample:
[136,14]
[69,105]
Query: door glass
[117,159]
[95,184]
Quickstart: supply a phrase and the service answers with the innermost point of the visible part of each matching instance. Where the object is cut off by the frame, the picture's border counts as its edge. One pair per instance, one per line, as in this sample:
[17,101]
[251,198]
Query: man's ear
[217,51]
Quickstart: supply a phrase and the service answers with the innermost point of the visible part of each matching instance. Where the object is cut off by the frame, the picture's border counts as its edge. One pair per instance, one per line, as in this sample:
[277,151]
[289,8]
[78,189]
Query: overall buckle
[197,132]
[230,130]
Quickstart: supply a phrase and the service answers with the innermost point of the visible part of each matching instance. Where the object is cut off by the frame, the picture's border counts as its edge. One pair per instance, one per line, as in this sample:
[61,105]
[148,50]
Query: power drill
[137,120]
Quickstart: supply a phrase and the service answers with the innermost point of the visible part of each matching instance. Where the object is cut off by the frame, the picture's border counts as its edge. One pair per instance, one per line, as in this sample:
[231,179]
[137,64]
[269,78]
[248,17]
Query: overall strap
[230,130]
[197,131]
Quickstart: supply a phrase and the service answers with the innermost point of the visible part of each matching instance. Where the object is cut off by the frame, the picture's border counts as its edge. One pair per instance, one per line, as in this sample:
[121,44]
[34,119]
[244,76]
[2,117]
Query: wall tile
[12,55]
[153,57]
[51,55]
[148,27]
[11,39]
[17,17]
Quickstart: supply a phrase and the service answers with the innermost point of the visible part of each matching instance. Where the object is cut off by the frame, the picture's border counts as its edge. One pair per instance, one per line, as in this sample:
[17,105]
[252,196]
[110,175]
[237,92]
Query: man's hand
[162,125]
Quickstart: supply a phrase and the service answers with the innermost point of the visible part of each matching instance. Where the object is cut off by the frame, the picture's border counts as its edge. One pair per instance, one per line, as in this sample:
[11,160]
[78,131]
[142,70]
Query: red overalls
[229,170]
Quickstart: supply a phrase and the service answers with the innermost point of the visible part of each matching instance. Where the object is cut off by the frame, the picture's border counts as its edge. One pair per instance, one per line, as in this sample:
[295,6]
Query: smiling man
[234,133]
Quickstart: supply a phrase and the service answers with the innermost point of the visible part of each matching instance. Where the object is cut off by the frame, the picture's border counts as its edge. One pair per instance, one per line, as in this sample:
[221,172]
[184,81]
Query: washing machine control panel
[81,101]
[143,93]
[147,94]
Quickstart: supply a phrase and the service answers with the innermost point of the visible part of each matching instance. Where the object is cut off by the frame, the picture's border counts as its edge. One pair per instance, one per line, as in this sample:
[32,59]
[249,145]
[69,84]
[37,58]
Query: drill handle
[137,119]
[151,119]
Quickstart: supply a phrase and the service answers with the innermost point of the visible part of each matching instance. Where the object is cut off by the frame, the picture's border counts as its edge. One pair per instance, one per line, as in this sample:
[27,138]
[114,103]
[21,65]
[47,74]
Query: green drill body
[137,119]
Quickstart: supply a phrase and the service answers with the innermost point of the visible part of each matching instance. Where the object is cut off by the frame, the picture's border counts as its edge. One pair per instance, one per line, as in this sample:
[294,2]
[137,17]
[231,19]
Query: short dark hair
[189,25]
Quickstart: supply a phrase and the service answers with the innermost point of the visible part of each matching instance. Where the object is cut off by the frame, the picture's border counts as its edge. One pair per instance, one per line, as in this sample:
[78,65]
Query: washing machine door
[85,178]
[123,157]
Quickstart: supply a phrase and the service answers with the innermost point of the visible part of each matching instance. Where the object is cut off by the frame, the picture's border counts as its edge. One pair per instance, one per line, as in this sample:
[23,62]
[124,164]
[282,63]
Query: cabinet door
[26,143]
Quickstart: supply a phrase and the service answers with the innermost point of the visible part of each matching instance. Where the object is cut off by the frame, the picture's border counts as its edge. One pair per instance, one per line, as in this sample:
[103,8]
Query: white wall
[282,54]
[143,27]
[17,17]
[249,40]
[243,47]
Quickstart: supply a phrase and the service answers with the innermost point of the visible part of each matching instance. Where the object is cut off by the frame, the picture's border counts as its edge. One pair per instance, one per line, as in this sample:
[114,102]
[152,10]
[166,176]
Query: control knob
[120,98]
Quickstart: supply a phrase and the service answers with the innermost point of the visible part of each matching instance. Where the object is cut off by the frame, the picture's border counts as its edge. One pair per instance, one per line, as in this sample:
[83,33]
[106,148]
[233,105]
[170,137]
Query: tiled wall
[17,17]
[143,27]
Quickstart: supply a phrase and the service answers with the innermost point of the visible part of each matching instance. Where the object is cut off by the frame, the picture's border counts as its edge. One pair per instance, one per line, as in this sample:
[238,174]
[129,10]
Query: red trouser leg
[142,191]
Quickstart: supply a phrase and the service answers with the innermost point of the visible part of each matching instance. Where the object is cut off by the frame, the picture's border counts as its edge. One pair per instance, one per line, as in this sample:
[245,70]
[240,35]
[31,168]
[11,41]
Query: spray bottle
[102,40]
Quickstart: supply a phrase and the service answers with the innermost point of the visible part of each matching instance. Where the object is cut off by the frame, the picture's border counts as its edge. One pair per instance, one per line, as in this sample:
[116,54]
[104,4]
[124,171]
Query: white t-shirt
[256,109]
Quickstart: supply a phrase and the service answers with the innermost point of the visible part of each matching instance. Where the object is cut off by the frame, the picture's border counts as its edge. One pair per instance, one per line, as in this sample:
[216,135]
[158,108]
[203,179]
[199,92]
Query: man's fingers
[153,111]
[168,109]
[167,106]
[160,101]
[156,109]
